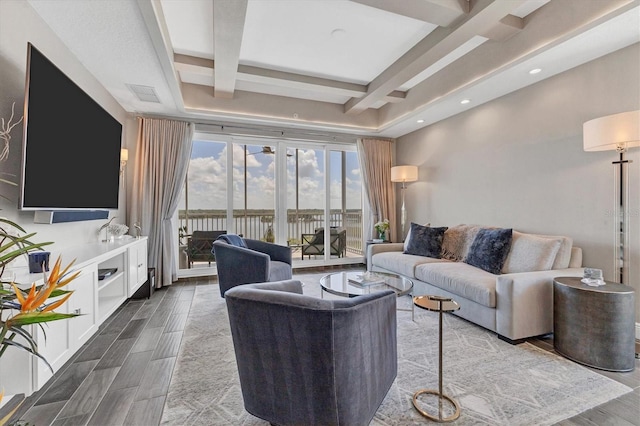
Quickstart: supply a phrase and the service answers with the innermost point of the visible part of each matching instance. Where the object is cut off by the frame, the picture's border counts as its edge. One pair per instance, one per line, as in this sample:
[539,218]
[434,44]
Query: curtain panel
[375,156]
[162,157]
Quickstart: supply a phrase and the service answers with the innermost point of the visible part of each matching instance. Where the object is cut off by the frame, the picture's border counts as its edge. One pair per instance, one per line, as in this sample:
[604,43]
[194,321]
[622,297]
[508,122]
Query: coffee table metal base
[441,399]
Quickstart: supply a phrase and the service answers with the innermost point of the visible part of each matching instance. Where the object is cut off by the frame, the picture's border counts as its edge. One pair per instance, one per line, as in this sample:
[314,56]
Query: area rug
[494,382]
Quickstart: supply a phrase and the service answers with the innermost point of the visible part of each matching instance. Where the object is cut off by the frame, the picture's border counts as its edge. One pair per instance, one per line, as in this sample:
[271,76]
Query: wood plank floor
[121,375]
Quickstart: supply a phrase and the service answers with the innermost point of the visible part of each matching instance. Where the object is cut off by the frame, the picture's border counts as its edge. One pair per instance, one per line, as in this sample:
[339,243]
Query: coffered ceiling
[365,67]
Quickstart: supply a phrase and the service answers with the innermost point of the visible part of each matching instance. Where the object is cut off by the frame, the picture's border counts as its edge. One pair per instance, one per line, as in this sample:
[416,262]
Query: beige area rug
[494,382]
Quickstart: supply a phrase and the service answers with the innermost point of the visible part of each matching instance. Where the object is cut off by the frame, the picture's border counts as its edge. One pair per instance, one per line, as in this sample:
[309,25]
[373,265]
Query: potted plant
[381,229]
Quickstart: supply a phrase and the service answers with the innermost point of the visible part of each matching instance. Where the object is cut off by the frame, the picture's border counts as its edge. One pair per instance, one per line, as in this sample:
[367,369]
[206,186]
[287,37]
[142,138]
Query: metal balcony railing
[255,224]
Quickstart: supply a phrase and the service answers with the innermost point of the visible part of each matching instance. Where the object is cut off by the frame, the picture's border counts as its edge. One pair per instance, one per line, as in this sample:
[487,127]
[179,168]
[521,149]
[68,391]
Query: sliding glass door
[287,192]
[305,196]
[254,191]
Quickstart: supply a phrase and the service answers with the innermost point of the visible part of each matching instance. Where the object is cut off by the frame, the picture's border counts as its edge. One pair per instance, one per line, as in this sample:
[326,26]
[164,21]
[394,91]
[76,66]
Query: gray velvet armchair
[258,262]
[309,361]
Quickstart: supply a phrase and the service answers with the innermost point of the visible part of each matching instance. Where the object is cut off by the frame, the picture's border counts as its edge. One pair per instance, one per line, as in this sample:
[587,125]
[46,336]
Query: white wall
[518,162]
[20,24]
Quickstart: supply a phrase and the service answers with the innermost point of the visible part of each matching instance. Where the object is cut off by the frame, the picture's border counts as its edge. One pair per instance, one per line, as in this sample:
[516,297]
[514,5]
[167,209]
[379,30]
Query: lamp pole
[403,210]
[620,222]
[404,174]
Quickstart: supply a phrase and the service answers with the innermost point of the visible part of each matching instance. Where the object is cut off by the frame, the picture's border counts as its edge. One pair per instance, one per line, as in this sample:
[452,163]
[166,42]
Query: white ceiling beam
[439,12]
[153,17]
[206,67]
[552,26]
[228,26]
[437,45]
[506,28]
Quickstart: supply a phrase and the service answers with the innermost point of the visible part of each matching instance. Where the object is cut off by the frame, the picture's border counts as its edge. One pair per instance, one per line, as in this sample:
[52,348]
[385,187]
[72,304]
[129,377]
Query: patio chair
[313,244]
[199,246]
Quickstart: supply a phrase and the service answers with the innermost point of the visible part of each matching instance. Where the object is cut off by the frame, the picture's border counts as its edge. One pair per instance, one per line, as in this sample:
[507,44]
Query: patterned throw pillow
[425,240]
[490,249]
[457,241]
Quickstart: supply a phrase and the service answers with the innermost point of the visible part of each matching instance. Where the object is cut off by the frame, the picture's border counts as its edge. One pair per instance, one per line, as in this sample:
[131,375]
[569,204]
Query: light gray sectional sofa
[516,303]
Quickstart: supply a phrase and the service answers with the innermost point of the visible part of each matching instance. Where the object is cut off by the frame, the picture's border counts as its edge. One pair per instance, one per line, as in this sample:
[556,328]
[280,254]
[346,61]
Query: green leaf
[36,353]
[38,317]
[25,335]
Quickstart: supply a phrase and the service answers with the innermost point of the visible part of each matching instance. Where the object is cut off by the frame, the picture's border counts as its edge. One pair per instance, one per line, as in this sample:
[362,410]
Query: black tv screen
[71,145]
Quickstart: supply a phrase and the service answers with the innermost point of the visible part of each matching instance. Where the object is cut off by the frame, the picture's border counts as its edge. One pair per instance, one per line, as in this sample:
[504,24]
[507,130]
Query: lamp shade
[404,174]
[612,132]
[124,155]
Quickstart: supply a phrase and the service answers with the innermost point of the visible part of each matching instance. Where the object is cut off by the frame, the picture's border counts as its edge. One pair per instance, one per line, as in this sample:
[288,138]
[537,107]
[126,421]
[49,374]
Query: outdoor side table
[438,304]
[594,326]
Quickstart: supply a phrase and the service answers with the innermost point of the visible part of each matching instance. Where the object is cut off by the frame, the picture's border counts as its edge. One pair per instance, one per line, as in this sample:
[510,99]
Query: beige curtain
[162,159]
[375,166]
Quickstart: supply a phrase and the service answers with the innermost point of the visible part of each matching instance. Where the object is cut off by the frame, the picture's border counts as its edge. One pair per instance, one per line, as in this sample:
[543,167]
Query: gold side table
[438,304]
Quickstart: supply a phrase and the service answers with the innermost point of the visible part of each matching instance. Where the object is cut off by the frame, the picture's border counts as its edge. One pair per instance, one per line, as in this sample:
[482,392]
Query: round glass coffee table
[352,284]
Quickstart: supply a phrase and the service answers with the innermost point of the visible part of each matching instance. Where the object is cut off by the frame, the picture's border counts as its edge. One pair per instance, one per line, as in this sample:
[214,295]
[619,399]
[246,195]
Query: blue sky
[208,182]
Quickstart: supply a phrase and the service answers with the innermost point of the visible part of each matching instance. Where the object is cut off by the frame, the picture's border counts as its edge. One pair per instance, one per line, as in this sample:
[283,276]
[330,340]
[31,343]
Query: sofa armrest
[524,302]
[381,248]
[576,257]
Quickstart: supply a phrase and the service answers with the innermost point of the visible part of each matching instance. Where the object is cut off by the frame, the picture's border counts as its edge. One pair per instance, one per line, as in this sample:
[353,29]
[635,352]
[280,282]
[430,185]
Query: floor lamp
[404,174]
[617,132]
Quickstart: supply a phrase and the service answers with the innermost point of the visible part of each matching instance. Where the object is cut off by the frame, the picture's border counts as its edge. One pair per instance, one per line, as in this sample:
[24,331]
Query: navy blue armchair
[309,361]
[258,262]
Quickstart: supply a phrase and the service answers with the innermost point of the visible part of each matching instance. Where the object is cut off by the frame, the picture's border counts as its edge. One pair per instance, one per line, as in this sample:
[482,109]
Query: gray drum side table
[594,326]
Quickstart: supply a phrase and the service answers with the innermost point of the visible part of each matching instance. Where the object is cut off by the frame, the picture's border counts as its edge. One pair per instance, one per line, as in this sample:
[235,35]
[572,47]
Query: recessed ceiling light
[535,71]
[420,121]
[465,101]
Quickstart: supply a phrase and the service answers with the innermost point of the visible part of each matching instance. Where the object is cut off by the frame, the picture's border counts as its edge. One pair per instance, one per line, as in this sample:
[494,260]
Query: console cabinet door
[83,302]
[65,337]
[137,265]
[54,343]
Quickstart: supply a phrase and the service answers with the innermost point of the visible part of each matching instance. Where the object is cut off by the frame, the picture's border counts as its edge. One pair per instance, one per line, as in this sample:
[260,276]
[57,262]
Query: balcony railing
[255,224]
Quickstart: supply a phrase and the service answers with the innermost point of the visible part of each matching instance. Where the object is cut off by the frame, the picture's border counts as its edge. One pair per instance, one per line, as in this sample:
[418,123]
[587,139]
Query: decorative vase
[381,235]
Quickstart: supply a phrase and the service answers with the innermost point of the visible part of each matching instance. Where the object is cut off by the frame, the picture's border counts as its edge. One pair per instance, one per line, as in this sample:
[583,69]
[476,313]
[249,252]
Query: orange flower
[36,298]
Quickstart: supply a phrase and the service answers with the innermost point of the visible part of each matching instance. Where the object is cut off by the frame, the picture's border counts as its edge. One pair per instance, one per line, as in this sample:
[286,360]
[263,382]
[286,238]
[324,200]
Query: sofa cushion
[457,240]
[462,279]
[490,249]
[425,240]
[564,252]
[400,263]
[531,253]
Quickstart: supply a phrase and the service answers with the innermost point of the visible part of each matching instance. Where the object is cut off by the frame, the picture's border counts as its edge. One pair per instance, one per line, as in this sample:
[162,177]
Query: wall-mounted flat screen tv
[71,145]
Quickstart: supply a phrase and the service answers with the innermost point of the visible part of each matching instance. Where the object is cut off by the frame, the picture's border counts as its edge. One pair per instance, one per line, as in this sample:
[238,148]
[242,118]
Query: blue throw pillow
[425,240]
[489,249]
[233,239]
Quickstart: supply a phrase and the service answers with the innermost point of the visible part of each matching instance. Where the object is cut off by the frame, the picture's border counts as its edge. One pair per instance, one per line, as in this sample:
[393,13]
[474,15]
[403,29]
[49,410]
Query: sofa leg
[513,342]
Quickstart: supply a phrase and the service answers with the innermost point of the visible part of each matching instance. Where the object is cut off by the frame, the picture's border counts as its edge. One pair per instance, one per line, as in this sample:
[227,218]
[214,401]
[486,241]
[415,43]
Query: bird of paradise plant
[20,308]
[34,307]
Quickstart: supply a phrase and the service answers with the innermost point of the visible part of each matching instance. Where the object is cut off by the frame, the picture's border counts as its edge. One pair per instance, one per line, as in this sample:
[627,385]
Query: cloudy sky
[207,179]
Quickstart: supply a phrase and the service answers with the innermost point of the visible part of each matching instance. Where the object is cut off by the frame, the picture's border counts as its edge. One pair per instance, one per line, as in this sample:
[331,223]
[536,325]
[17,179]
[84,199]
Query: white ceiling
[365,67]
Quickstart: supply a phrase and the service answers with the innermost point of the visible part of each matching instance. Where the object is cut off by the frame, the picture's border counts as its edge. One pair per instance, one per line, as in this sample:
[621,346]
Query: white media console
[95,299]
